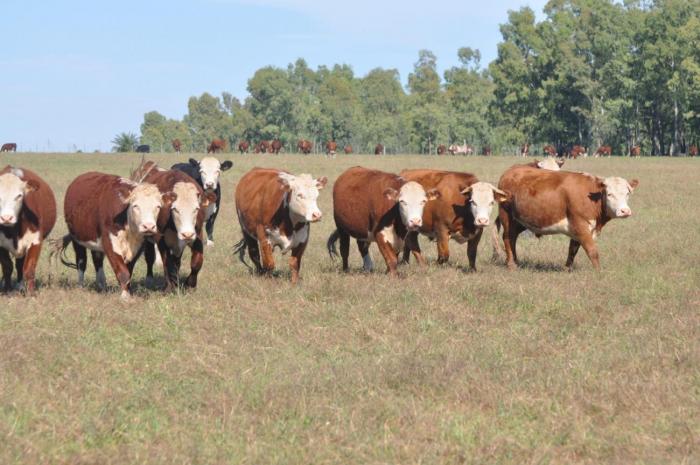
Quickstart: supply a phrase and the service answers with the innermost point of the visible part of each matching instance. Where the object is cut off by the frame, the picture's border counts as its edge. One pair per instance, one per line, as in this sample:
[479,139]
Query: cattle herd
[174,209]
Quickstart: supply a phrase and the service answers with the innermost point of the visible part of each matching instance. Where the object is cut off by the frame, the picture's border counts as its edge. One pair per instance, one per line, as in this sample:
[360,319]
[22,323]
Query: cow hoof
[210,243]
[126,297]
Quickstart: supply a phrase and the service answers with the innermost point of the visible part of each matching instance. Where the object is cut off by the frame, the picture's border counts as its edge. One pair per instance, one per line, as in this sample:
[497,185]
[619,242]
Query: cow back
[259,198]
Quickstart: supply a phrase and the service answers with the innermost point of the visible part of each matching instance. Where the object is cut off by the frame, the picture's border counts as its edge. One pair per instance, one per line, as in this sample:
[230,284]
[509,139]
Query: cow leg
[195,263]
[573,250]
[472,247]
[363,247]
[268,261]
[295,261]
[121,270]
[29,263]
[591,249]
[253,251]
[388,252]
[443,245]
[411,244]
[344,239]
[149,252]
[209,227]
[98,260]
[6,263]
[510,237]
[80,262]
[19,266]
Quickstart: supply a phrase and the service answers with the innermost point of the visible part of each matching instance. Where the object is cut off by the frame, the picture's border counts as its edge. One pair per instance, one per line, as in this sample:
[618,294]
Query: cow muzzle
[8,220]
[624,212]
[316,216]
[481,222]
[210,186]
[149,228]
[187,236]
[415,223]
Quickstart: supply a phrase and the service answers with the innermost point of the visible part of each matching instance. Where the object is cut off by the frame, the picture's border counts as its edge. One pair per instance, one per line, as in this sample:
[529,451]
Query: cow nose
[187,236]
[482,221]
[316,216]
[415,223]
[625,212]
[149,227]
[209,185]
[6,219]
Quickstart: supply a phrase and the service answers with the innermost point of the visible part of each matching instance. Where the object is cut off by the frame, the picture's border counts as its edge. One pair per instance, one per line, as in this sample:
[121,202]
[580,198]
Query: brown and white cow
[305,146]
[525,150]
[603,150]
[635,151]
[441,149]
[275,209]
[111,216]
[374,206]
[461,213]
[549,163]
[460,149]
[216,146]
[180,226]
[549,150]
[177,145]
[9,147]
[379,149]
[275,146]
[347,149]
[331,147]
[560,202]
[27,216]
[693,151]
[243,146]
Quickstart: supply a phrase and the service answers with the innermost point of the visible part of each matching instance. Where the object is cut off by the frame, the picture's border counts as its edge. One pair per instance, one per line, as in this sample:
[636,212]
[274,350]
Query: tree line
[591,72]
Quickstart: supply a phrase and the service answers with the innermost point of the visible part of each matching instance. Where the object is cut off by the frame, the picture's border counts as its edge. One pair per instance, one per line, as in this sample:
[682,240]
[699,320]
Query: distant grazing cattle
[216,146]
[693,151]
[603,150]
[460,149]
[347,149]
[143,148]
[524,150]
[461,213]
[577,151]
[262,147]
[379,149]
[275,146]
[331,147]
[27,216]
[177,145]
[560,202]
[243,146]
[549,150]
[9,147]
[549,163]
[486,151]
[305,146]
[441,149]
[179,226]
[635,151]
[207,173]
[275,209]
[374,206]
[111,216]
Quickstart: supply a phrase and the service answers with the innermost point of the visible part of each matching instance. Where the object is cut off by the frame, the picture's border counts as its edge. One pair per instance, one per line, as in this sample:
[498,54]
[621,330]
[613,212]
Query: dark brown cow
[603,150]
[347,149]
[216,146]
[331,147]
[305,146]
[111,216]
[177,145]
[441,149]
[179,226]
[525,150]
[693,151]
[635,151]
[461,213]
[243,146]
[27,216]
[549,150]
[262,147]
[275,146]
[275,209]
[560,202]
[9,147]
[486,151]
[379,149]
[374,206]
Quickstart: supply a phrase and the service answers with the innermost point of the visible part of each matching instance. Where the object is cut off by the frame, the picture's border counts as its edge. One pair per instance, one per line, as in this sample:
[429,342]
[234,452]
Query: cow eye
[403,202]
[423,202]
[300,196]
[19,196]
[137,208]
[175,209]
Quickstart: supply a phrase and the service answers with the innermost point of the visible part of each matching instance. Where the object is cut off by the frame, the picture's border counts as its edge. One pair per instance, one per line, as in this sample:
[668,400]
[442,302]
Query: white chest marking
[211,209]
[284,242]
[29,239]
[560,227]
[92,245]
[125,244]
[176,245]
[460,238]
[389,235]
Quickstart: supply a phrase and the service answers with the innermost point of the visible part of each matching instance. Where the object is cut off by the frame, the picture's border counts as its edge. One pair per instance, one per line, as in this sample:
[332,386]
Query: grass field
[439,366]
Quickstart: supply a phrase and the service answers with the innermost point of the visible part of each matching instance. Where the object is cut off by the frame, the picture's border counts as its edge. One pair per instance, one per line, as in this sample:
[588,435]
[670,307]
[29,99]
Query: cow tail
[330,244]
[498,252]
[239,249]
[58,250]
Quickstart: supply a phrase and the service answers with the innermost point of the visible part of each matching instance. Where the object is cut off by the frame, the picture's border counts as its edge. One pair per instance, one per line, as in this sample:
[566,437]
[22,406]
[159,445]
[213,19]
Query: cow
[262,147]
[331,147]
[207,172]
[549,163]
[275,209]
[216,146]
[9,147]
[461,213]
[143,148]
[635,151]
[441,149]
[549,150]
[275,146]
[525,150]
[577,151]
[486,151]
[180,226]
[347,149]
[27,216]
[177,145]
[111,216]
[305,146]
[460,149]
[560,202]
[243,146]
[379,149]
[603,150]
[693,151]
[374,206]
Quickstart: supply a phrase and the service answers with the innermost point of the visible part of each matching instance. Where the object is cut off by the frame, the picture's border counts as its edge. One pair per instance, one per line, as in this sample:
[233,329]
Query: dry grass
[439,366]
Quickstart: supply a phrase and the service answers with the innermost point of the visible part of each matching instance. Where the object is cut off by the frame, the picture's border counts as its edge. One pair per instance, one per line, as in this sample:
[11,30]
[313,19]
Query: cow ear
[466,191]
[169,197]
[286,179]
[391,194]
[433,194]
[321,182]
[124,192]
[500,195]
[633,184]
[560,162]
[226,165]
[30,186]
[194,163]
[539,164]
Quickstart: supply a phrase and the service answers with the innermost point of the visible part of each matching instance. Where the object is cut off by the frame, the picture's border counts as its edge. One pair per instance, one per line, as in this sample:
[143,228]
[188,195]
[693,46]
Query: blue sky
[77,72]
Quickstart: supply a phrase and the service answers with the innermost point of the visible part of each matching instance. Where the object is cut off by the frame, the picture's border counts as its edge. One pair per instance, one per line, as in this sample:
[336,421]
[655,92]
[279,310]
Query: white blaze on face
[12,192]
[482,198]
[550,164]
[617,192]
[303,196]
[210,170]
[185,209]
[412,199]
[145,201]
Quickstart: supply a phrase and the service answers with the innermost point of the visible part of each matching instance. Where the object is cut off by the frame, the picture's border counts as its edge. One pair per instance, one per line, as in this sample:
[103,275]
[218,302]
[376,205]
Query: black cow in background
[206,172]
[143,149]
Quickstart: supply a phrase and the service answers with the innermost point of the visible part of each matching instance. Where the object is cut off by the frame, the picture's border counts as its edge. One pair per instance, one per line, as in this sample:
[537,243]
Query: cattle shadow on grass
[541,267]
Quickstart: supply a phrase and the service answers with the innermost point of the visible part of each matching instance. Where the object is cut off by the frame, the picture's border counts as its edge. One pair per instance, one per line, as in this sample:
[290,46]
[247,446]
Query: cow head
[411,199]
[552,164]
[144,201]
[209,170]
[12,192]
[481,197]
[616,192]
[186,206]
[302,196]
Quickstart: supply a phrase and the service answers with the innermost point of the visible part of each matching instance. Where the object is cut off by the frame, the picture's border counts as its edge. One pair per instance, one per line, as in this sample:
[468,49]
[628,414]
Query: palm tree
[125,142]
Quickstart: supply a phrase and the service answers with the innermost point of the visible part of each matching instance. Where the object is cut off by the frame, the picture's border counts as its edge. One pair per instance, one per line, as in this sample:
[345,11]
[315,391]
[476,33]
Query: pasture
[439,366]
